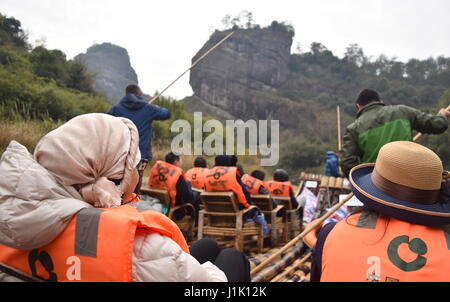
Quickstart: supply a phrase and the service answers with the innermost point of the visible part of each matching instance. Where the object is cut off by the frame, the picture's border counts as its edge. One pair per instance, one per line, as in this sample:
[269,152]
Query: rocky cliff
[112,67]
[249,63]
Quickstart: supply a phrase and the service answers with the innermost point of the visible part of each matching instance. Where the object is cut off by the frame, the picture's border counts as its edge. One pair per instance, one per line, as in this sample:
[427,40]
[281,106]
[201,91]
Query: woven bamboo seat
[333,183]
[197,193]
[292,222]
[330,189]
[197,190]
[324,181]
[304,178]
[221,217]
[275,224]
[187,223]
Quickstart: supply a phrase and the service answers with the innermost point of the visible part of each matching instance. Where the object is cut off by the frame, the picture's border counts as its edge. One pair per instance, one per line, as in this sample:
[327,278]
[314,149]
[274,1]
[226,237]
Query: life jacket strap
[20,275]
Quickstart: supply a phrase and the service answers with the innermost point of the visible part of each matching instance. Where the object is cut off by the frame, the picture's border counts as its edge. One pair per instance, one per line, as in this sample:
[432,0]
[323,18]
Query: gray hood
[34,207]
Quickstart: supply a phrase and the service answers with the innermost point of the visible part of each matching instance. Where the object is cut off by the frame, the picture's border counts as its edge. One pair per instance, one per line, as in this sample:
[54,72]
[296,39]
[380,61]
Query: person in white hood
[85,164]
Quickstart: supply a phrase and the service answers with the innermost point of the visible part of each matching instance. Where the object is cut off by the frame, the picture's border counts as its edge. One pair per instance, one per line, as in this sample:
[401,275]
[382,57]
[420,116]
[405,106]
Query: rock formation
[235,77]
[112,67]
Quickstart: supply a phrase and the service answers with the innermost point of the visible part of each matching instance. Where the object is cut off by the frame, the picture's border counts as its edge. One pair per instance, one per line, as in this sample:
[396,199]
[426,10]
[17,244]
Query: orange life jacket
[197,176]
[311,238]
[224,179]
[280,188]
[368,247]
[165,176]
[253,184]
[132,198]
[96,245]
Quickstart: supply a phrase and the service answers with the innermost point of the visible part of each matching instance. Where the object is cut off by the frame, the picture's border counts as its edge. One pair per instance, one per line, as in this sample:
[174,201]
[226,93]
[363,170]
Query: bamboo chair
[292,223]
[221,217]
[304,177]
[197,190]
[186,224]
[330,189]
[274,223]
[335,186]
[197,193]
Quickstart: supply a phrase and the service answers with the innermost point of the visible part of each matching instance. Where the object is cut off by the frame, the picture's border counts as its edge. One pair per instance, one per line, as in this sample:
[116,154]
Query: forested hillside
[323,77]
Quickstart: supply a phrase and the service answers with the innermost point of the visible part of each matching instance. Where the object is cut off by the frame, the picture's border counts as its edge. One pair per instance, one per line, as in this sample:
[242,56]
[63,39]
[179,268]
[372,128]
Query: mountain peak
[111,64]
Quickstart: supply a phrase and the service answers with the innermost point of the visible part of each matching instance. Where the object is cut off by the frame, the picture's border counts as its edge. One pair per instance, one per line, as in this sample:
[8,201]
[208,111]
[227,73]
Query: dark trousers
[233,263]
[180,213]
[141,167]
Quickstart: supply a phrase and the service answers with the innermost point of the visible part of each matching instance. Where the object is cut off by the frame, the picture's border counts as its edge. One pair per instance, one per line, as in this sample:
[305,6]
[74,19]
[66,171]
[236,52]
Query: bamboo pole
[192,66]
[301,235]
[339,127]
[292,268]
[300,185]
[419,135]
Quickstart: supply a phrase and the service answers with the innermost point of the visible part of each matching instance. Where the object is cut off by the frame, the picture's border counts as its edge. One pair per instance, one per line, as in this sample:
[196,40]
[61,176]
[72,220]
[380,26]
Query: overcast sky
[162,36]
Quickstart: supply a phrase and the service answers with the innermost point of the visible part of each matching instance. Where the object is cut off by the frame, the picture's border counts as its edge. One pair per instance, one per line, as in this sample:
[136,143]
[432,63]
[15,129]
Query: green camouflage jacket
[377,124]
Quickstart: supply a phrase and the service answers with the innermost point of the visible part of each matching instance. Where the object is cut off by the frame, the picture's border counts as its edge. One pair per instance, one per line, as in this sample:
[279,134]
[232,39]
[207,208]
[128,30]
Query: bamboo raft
[293,263]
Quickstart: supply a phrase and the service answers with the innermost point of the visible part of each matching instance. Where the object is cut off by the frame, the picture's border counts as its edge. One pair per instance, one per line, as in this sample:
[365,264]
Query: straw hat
[405,183]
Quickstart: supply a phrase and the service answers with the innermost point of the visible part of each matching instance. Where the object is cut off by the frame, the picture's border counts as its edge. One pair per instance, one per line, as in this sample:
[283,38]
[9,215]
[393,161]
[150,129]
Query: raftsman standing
[377,124]
[135,108]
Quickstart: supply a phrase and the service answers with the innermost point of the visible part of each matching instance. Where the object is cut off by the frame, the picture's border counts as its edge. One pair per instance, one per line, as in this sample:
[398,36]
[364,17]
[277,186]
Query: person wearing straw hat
[377,124]
[402,233]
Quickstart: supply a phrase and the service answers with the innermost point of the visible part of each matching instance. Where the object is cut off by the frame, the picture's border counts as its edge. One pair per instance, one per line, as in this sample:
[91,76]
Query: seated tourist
[168,175]
[255,182]
[197,175]
[224,176]
[280,186]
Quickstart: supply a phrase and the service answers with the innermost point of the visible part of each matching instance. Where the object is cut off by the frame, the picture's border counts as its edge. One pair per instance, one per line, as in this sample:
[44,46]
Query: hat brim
[425,214]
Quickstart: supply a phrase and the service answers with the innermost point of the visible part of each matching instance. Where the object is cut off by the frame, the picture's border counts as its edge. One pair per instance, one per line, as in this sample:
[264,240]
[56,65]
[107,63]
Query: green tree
[11,32]
[50,64]
[282,27]
[355,54]
[415,71]
[317,48]
[80,78]
[303,156]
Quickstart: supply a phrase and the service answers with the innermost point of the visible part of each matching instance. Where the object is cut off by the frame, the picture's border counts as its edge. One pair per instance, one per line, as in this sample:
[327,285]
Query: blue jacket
[332,166]
[142,114]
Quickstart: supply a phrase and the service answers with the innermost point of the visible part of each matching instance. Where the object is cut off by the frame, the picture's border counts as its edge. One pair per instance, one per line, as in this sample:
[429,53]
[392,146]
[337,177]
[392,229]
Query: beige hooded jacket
[37,202]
